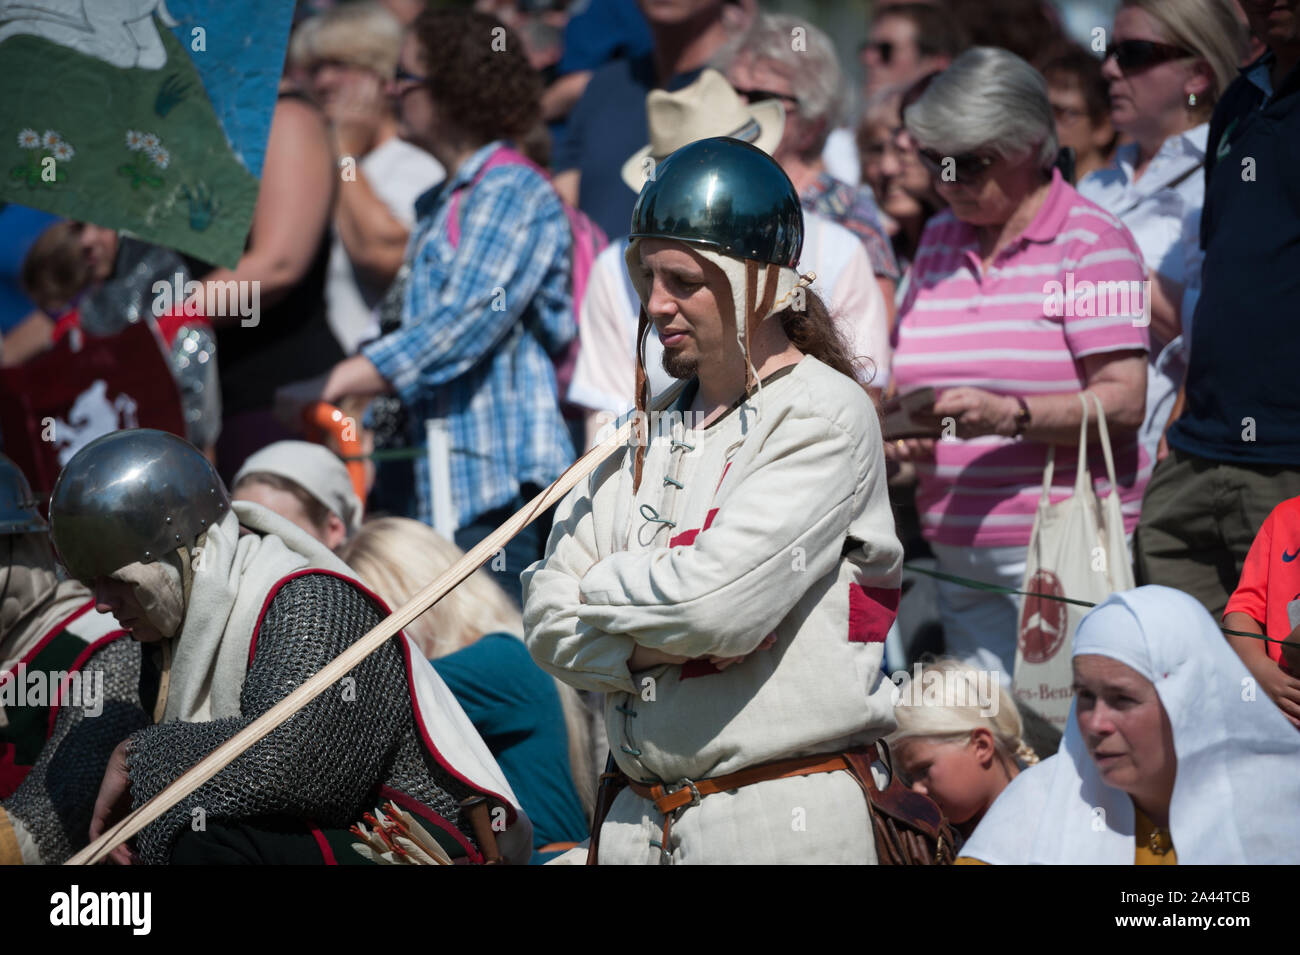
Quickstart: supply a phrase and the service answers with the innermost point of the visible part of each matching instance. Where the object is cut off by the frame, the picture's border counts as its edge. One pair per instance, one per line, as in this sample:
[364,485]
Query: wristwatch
[1023,417]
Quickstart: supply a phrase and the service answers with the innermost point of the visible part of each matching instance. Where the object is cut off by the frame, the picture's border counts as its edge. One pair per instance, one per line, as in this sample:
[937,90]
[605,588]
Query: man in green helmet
[728,581]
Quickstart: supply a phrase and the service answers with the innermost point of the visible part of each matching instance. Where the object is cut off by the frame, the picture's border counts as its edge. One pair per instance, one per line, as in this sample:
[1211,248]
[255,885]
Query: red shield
[57,402]
[1044,623]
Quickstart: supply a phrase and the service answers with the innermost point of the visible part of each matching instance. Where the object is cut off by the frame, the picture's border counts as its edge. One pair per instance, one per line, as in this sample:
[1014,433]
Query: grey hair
[815,74]
[989,98]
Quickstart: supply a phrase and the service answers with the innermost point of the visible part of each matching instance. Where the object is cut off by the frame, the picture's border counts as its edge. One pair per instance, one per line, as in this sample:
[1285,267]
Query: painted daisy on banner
[63,152]
[51,139]
[29,139]
[160,156]
[134,140]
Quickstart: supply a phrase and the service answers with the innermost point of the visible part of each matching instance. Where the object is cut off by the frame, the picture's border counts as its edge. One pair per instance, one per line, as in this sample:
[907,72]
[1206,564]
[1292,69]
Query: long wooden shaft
[341,665]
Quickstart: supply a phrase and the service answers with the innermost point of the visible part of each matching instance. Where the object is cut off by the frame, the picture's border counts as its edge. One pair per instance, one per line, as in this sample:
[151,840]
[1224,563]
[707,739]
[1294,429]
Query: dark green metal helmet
[726,195]
[132,496]
[18,511]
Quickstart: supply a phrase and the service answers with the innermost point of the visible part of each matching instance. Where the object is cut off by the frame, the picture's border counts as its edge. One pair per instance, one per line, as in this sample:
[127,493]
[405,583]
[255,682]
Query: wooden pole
[340,666]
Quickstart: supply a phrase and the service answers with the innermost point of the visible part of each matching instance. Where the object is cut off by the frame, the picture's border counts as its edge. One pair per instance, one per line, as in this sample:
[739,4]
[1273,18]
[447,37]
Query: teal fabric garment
[516,709]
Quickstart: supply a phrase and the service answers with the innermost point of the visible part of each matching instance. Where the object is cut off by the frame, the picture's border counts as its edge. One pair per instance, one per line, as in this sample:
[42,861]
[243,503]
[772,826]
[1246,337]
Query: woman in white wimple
[1170,756]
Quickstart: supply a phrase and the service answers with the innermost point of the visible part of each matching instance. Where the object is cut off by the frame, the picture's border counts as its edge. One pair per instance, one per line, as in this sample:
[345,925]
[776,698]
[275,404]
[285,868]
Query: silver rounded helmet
[723,194]
[132,496]
[18,511]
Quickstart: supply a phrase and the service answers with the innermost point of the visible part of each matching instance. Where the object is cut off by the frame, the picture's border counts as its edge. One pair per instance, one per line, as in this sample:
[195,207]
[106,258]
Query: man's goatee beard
[679,367]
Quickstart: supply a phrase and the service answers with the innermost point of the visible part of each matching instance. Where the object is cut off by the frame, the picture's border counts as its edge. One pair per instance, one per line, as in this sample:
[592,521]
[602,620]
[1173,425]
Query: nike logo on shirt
[1287,558]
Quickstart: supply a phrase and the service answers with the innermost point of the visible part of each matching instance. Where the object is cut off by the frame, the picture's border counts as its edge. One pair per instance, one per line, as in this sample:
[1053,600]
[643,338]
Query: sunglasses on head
[758,96]
[968,167]
[1134,55]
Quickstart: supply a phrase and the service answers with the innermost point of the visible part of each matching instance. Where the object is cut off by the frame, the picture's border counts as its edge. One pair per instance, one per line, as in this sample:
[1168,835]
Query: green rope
[997,589]
[388,454]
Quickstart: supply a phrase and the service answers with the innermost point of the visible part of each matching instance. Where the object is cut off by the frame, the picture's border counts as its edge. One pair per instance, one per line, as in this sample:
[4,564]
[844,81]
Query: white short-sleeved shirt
[1162,210]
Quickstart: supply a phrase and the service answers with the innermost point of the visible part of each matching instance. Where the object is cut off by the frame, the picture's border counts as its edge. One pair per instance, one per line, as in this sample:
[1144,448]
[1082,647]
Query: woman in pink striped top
[1022,295]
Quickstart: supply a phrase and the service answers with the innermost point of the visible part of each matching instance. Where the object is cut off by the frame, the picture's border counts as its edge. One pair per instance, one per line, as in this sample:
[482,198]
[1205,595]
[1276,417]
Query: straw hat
[706,108]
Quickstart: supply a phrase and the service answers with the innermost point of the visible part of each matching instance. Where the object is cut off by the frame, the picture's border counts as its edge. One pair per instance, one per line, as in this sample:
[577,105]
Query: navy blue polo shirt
[601,31]
[605,128]
[1243,380]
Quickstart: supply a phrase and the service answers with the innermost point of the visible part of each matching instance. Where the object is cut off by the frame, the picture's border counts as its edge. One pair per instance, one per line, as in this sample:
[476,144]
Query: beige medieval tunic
[773,520]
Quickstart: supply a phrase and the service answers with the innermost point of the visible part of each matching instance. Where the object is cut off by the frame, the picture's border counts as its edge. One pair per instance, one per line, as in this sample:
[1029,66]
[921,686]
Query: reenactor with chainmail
[235,607]
[68,685]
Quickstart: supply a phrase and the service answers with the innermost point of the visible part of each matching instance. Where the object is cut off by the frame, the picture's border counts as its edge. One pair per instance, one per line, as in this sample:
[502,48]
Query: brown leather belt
[668,799]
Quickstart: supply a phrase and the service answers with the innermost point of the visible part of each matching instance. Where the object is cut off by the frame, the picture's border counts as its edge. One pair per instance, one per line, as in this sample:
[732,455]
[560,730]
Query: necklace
[1160,841]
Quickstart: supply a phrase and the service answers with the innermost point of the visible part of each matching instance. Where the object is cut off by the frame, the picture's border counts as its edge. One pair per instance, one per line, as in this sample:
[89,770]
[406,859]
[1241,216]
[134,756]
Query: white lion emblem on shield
[92,415]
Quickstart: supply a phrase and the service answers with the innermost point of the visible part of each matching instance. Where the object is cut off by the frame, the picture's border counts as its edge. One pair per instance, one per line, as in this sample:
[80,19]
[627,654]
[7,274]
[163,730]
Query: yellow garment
[1154,847]
[1161,852]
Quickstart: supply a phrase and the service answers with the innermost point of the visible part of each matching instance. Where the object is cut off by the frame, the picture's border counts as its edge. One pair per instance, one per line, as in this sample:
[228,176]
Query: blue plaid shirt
[479,325]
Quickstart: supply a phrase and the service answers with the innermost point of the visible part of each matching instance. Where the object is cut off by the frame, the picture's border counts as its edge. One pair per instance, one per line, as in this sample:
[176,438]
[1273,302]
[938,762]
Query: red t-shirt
[1271,577]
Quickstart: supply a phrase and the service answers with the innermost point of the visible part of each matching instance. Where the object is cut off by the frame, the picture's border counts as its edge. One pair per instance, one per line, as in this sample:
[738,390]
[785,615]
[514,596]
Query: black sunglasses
[758,96]
[1136,55]
[403,75]
[968,167]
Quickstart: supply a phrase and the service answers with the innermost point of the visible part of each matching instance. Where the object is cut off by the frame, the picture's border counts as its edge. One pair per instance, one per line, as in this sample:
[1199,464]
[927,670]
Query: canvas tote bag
[1076,550]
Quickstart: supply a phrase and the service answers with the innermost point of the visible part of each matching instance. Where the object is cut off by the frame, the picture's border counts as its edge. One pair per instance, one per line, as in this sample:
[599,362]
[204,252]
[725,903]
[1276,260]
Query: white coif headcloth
[1238,757]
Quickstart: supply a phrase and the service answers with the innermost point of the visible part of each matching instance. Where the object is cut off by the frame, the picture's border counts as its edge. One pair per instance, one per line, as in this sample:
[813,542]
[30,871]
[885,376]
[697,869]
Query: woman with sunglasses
[1167,63]
[1002,319]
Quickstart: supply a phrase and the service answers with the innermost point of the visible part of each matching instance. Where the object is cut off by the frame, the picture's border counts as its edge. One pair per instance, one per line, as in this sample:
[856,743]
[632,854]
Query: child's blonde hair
[399,557]
[954,723]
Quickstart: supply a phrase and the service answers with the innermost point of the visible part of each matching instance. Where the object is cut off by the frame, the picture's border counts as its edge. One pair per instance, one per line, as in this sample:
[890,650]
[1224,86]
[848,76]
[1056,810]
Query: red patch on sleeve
[871,612]
[687,538]
[694,668]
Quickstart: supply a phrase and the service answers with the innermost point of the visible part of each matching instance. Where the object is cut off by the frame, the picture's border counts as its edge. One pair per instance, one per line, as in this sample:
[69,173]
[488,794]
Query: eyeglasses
[968,167]
[1063,113]
[403,75]
[1133,56]
[758,96]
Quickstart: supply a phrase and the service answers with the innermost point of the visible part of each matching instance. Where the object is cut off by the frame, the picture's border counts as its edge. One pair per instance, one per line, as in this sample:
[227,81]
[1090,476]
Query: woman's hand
[909,449]
[355,113]
[978,412]
[113,803]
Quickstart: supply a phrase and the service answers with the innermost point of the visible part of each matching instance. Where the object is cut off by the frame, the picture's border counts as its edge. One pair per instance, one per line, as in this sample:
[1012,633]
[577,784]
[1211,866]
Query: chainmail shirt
[56,800]
[326,762]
